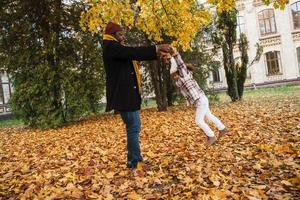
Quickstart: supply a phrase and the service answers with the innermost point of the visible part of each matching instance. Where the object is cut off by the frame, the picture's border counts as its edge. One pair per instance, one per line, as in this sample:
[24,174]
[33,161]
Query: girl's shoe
[223,132]
[210,141]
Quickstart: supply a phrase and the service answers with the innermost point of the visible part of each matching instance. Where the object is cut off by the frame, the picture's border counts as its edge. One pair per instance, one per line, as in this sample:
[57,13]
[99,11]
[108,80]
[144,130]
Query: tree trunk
[158,83]
[242,75]
[170,86]
[164,83]
[230,71]
[57,30]
[227,23]
[242,71]
[51,34]
[170,92]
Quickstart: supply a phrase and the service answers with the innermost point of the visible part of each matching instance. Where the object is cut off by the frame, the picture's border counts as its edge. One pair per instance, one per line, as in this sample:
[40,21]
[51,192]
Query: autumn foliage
[179,20]
[259,159]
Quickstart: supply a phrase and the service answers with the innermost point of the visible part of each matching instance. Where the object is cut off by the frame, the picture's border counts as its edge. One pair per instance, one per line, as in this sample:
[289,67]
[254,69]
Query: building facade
[278,32]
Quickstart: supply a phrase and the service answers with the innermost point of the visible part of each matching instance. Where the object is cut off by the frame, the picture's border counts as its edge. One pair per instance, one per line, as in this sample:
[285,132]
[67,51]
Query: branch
[259,51]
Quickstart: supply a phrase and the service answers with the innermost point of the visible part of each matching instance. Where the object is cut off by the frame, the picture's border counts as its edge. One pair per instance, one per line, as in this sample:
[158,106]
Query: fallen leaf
[287,183]
[134,196]
[110,175]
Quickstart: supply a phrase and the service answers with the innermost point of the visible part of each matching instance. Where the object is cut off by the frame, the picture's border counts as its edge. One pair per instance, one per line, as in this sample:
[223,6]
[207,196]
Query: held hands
[163,51]
[166,51]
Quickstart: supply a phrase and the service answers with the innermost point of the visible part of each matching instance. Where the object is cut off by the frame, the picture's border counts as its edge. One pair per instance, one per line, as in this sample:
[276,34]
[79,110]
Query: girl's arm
[181,66]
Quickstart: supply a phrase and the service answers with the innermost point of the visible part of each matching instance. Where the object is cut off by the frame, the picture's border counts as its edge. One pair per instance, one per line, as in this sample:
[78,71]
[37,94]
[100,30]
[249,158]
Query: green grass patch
[280,89]
[149,103]
[274,92]
[10,123]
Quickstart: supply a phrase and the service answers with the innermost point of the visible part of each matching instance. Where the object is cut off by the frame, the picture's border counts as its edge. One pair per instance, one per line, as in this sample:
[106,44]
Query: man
[123,85]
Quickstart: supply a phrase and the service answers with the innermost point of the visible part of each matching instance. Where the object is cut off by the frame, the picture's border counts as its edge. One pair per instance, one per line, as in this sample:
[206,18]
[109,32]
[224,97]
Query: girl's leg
[211,117]
[215,120]
[201,111]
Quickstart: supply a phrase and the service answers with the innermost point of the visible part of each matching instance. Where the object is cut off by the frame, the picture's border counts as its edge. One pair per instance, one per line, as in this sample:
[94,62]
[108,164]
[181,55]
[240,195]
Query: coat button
[132,73]
[134,87]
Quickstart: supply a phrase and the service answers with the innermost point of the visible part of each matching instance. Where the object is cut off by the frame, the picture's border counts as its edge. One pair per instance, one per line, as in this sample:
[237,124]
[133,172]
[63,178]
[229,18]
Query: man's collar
[109,38]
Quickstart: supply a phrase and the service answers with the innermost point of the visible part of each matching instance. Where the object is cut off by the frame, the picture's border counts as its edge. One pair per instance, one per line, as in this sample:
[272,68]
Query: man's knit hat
[112,28]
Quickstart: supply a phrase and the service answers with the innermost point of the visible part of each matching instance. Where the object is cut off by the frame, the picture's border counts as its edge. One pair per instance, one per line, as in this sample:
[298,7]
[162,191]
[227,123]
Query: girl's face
[175,76]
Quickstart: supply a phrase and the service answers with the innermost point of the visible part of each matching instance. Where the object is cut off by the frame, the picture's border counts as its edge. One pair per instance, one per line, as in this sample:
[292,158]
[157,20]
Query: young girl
[183,78]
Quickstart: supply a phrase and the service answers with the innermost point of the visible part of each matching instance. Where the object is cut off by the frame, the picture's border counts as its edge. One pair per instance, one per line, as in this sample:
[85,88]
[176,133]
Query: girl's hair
[173,74]
[190,66]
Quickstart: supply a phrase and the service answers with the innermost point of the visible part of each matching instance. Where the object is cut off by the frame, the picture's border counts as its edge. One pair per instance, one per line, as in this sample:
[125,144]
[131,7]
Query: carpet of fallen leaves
[259,159]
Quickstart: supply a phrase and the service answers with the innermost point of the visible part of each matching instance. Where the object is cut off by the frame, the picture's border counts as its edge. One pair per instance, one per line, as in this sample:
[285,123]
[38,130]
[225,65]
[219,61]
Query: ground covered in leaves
[259,159]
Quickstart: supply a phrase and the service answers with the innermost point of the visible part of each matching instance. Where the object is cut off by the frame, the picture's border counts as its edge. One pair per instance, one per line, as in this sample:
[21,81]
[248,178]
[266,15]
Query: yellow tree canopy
[277,3]
[223,5]
[178,19]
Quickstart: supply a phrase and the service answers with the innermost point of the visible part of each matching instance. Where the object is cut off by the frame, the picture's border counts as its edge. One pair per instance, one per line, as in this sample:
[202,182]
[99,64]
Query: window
[298,57]
[273,63]
[5,89]
[1,92]
[267,23]
[216,75]
[296,14]
[240,28]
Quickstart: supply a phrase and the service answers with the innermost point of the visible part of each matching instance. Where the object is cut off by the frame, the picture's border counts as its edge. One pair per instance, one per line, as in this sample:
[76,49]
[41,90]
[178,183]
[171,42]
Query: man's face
[120,36]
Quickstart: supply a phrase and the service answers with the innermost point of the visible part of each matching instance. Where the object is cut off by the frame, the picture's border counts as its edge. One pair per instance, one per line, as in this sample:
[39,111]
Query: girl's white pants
[202,110]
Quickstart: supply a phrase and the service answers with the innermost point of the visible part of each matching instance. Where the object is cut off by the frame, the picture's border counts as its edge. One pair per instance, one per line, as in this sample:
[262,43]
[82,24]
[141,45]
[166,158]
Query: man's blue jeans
[133,128]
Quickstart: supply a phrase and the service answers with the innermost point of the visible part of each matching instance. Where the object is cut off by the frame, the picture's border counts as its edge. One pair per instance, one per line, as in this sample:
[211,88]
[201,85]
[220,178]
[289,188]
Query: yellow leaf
[260,187]
[25,169]
[216,183]
[140,166]
[110,175]
[187,179]
[124,186]
[76,193]
[217,194]
[257,166]
[150,154]
[287,183]
[134,196]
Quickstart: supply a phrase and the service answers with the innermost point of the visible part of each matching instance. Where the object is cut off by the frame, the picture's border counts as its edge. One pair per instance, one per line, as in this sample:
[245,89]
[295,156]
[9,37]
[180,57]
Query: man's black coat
[122,92]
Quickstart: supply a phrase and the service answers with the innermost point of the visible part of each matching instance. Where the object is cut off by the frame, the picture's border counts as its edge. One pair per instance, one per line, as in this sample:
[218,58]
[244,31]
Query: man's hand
[163,48]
